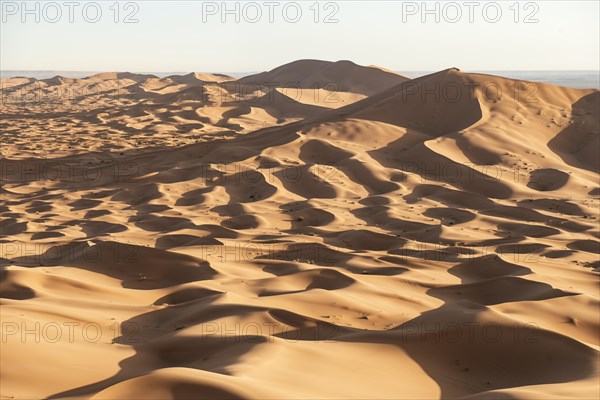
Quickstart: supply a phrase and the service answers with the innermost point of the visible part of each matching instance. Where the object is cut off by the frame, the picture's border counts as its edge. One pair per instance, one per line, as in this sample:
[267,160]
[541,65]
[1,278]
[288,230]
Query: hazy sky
[399,35]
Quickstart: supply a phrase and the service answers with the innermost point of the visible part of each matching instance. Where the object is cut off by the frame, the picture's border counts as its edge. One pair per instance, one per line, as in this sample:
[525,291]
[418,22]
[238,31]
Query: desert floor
[319,231]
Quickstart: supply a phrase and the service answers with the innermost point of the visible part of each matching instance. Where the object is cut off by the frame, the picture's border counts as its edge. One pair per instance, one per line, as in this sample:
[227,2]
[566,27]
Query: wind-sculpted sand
[427,238]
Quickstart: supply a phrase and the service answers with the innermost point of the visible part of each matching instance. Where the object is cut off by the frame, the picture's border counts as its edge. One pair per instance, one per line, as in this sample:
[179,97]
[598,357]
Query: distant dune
[416,239]
[342,76]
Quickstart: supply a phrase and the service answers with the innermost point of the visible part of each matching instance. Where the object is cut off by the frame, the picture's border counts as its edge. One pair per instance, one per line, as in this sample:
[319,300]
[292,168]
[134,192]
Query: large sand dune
[340,76]
[436,239]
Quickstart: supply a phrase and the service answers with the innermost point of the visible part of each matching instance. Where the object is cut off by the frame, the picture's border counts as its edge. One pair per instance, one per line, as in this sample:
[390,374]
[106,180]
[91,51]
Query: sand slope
[339,76]
[408,245]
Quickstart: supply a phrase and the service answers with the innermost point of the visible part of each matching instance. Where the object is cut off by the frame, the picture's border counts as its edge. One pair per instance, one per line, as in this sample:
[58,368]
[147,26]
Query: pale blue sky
[172,36]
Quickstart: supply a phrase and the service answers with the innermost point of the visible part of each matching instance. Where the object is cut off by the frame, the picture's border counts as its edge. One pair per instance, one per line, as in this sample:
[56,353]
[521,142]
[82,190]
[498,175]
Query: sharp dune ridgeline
[322,230]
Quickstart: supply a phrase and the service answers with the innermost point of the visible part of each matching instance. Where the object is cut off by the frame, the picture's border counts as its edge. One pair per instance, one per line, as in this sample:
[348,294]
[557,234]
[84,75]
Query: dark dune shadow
[429,252]
[499,290]
[487,267]
[84,204]
[450,216]
[429,165]
[46,235]
[530,230]
[137,267]
[381,216]
[364,239]
[95,214]
[547,179]
[589,246]
[311,253]
[578,143]
[552,205]
[167,242]
[12,290]
[193,197]
[326,279]
[302,181]
[186,295]
[476,154]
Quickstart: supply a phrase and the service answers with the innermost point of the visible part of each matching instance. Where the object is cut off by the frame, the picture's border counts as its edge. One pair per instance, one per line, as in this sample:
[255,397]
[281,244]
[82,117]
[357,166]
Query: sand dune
[140,111]
[340,76]
[436,239]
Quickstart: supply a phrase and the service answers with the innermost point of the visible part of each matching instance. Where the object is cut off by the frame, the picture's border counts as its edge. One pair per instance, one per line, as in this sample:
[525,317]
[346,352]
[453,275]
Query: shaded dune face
[435,105]
[436,239]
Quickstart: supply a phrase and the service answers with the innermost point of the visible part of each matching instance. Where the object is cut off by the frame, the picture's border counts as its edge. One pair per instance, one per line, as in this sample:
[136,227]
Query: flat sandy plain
[319,231]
